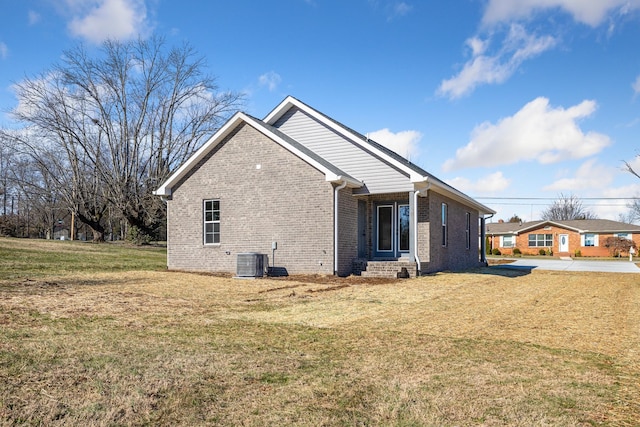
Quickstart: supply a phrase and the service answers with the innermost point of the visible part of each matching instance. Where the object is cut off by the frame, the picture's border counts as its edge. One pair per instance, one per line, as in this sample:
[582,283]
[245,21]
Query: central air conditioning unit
[251,264]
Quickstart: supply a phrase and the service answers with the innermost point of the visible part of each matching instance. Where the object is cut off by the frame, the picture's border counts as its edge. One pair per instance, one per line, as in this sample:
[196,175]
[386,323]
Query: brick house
[330,200]
[584,237]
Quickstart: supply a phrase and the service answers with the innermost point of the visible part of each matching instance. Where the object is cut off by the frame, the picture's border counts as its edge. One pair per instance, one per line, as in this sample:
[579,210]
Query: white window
[444,224]
[623,235]
[540,240]
[211,222]
[467,231]
[507,241]
[589,239]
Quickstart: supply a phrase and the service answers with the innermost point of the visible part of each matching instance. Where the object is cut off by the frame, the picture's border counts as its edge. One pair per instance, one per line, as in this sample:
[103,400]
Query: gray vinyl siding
[377,175]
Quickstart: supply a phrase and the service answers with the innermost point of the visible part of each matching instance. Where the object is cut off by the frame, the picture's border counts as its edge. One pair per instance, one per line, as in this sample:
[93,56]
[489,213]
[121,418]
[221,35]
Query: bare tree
[629,168]
[634,208]
[567,207]
[6,160]
[122,122]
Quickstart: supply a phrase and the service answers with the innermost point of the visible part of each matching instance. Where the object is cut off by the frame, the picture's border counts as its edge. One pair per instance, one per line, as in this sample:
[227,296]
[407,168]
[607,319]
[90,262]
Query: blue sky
[511,99]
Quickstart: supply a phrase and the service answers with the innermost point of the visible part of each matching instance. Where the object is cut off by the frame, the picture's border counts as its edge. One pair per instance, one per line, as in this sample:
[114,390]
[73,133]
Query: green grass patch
[21,258]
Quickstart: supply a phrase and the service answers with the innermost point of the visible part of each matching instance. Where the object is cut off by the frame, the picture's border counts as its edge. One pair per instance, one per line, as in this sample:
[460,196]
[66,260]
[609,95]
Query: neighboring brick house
[577,237]
[331,200]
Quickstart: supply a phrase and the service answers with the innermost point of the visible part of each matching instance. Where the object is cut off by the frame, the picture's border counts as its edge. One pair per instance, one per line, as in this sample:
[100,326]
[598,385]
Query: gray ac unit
[251,264]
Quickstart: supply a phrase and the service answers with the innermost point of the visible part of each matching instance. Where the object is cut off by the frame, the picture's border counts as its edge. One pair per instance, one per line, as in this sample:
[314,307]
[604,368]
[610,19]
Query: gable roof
[332,173]
[577,225]
[417,176]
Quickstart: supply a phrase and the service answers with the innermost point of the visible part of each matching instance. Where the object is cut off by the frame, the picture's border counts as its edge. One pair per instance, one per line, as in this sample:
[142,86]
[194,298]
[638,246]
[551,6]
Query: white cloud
[589,176]
[490,184]
[98,20]
[477,45]
[401,8]
[404,142]
[536,132]
[612,208]
[517,47]
[4,50]
[636,86]
[590,12]
[391,8]
[271,80]
[34,17]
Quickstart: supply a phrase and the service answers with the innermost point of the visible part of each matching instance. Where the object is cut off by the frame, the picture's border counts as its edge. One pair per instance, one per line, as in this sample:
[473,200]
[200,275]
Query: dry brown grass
[488,347]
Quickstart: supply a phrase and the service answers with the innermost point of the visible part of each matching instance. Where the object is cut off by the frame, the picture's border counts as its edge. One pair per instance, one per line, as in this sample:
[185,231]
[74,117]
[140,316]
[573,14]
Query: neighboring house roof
[577,225]
[371,159]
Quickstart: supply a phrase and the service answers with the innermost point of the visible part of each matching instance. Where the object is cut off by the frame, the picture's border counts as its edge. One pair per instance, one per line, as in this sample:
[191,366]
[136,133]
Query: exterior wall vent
[251,264]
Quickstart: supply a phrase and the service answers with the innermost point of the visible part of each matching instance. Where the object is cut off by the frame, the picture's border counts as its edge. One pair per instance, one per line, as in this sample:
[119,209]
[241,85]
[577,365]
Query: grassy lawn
[102,335]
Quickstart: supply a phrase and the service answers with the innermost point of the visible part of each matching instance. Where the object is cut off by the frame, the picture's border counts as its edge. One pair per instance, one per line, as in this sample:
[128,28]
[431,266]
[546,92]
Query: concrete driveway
[573,265]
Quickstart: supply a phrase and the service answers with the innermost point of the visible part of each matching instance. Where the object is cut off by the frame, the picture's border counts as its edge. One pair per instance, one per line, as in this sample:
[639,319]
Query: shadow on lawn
[507,270]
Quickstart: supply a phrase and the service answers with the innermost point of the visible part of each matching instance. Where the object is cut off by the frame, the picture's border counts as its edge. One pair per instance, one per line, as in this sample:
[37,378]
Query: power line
[555,198]
[546,204]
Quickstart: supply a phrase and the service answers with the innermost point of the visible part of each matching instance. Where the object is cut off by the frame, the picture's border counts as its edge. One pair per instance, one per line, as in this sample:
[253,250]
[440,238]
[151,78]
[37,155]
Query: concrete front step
[386,269]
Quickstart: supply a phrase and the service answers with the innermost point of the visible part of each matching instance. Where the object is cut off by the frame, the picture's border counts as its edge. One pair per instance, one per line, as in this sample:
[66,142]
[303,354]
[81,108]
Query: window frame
[213,221]
[587,237]
[467,230]
[545,242]
[511,238]
[445,214]
[388,233]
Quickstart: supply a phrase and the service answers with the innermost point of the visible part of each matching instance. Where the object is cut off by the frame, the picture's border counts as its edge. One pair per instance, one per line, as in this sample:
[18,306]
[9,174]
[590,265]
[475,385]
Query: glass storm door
[392,230]
[403,228]
[385,230]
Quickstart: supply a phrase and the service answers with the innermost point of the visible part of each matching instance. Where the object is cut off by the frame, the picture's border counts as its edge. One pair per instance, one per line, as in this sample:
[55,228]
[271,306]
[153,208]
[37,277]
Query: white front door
[564,243]
[392,230]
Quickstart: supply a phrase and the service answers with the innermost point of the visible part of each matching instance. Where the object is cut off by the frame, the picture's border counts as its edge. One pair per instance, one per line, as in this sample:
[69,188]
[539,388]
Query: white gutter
[483,238]
[415,222]
[336,192]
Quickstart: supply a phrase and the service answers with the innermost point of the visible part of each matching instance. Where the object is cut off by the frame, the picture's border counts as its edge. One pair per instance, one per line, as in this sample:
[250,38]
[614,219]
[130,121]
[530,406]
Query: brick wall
[424,233]
[266,194]
[454,256]
[348,236]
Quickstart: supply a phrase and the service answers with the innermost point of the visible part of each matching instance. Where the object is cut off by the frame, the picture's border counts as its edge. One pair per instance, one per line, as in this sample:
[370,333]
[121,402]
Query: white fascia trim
[546,223]
[339,179]
[291,101]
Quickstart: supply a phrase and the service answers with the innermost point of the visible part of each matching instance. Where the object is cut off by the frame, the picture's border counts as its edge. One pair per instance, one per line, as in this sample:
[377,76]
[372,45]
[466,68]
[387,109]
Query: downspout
[336,192]
[415,224]
[483,239]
